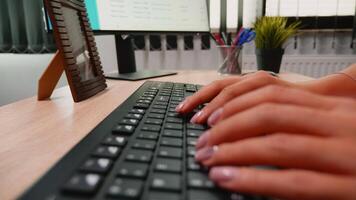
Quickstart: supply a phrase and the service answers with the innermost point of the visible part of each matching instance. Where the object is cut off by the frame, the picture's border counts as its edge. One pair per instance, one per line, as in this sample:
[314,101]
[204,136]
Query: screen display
[148,15]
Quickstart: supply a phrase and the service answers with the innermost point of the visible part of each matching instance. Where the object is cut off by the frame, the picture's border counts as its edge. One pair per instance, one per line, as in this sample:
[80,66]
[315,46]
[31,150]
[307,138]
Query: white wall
[19,73]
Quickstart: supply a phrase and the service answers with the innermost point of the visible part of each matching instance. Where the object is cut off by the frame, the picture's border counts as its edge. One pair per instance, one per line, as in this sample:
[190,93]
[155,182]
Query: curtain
[22,27]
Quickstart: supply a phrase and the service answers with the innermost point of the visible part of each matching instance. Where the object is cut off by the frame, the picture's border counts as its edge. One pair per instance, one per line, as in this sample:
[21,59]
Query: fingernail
[181,105]
[203,140]
[222,174]
[196,117]
[205,154]
[214,118]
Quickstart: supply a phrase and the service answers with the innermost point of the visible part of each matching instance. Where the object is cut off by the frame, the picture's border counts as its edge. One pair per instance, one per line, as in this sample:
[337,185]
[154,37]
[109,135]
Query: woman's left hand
[312,138]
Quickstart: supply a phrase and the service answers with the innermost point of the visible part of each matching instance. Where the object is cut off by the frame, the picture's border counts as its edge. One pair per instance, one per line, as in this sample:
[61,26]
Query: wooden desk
[35,135]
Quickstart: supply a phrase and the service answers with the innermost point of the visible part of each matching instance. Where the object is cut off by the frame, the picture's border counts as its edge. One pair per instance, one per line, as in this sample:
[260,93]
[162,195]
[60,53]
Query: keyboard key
[163,181]
[194,133]
[199,180]
[174,94]
[205,195]
[173,142]
[196,127]
[138,111]
[133,122]
[180,99]
[115,141]
[107,151]
[175,102]
[152,89]
[134,116]
[134,170]
[193,165]
[171,110]
[144,144]
[158,111]
[190,88]
[154,121]
[143,101]
[174,126]
[142,105]
[83,183]
[146,98]
[163,196]
[173,106]
[173,133]
[173,114]
[148,135]
[170,152]
[139,156]
[96,165]
[191,151]
[174,120]
[153,128]
[150,93]
[126,188]
[162,98]
[159,106]
[192,141]
[155,89]
[168,165]
[158,103]
[155,115]
[123,129]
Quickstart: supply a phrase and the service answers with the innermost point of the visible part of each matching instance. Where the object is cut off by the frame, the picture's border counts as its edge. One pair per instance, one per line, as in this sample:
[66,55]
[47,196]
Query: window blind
[305,8]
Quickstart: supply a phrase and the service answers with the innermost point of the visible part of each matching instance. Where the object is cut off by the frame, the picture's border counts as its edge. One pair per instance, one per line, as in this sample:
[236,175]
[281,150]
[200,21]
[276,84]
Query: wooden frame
[77,52]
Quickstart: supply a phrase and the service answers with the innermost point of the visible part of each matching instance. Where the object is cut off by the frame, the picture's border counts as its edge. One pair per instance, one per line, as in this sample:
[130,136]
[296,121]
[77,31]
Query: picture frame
[77,53]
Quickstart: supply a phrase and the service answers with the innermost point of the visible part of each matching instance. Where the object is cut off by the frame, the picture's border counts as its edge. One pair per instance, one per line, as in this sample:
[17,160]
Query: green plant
[273,32]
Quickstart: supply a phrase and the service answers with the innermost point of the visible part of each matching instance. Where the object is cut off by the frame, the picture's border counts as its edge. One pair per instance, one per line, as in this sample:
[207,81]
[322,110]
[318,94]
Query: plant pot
[269,59]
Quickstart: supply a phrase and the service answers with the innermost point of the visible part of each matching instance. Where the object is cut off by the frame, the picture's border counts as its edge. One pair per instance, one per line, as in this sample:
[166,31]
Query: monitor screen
[148,15]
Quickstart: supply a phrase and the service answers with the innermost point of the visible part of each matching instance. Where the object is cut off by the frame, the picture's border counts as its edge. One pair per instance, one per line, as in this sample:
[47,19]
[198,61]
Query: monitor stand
[127,63]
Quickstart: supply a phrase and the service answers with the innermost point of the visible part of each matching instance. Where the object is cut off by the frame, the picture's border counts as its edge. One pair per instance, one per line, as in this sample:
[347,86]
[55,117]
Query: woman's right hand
[221,92]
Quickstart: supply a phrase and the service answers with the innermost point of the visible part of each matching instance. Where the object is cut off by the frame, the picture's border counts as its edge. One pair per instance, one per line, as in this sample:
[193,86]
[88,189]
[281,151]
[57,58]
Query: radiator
[314,66]
[310,65]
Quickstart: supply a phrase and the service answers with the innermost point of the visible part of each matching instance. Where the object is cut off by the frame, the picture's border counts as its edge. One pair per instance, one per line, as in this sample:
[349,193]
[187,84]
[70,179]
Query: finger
[205,94]
[287,151]
[285,184]
[271,118]
[244,86]
[272,94]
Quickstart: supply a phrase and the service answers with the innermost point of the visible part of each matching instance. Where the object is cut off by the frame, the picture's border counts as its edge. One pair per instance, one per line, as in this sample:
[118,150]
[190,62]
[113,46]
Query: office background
[312,53]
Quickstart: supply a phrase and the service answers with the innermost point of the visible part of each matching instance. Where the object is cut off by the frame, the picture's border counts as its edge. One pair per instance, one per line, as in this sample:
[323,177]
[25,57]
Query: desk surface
[35,135]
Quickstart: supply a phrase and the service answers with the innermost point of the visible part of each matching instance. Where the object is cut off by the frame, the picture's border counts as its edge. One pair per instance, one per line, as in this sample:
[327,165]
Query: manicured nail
[222,174]
[181,105]
[205,154]
[214,118]
[196,117]
[203,140]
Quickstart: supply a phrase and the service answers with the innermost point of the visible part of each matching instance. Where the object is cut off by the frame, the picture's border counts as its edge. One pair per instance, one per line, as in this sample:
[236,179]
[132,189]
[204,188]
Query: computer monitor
[144,16]
[149,15]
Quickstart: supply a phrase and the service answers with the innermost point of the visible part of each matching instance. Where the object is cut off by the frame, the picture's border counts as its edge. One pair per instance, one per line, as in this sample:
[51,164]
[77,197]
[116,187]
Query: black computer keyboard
[143,150]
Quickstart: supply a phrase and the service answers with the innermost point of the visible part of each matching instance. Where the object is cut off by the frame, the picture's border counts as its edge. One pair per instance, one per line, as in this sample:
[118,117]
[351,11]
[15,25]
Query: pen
[236,40]
[218,39]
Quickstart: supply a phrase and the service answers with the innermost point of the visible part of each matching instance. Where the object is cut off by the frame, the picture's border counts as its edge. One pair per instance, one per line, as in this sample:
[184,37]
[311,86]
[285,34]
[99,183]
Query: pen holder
[229,59]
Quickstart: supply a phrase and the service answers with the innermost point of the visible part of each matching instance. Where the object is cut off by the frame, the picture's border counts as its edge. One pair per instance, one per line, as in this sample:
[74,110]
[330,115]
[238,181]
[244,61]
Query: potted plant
[271,34]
